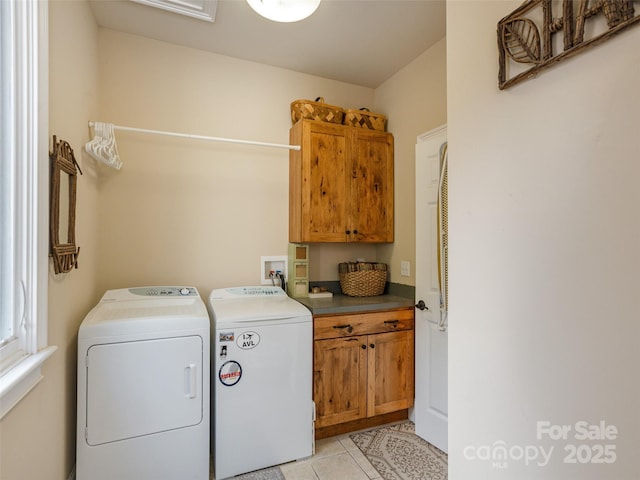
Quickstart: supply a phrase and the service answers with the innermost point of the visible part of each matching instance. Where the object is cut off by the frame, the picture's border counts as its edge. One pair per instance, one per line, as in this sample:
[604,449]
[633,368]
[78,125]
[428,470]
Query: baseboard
[361,424]
[72,474]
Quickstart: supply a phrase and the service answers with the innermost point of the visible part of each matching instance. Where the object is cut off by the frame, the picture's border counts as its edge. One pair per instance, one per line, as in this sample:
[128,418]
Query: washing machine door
[143,387]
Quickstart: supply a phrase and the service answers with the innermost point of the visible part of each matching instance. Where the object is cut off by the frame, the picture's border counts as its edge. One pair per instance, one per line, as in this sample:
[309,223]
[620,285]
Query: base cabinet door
[339,380]
[390,370]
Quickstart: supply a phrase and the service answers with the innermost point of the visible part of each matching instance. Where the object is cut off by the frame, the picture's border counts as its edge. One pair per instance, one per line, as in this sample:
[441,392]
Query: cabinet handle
[372,345]
[363,346]
[392,322]
[348,232]
[349,328]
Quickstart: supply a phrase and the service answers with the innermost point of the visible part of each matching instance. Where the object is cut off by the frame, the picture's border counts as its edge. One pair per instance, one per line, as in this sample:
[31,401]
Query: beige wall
[543,235]
[38,435]
[415,99]
[184,211]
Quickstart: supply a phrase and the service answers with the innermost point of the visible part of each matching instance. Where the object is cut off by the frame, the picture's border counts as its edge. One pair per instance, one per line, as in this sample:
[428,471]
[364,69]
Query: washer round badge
[230,373]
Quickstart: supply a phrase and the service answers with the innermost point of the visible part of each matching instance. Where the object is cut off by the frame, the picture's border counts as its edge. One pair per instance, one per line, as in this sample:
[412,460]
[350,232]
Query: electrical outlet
[405,268]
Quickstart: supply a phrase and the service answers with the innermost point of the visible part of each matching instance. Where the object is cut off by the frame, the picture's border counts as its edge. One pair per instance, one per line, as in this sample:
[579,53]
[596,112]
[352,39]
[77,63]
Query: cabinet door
[321,184]
[339,380]
[390,370]
[371,198]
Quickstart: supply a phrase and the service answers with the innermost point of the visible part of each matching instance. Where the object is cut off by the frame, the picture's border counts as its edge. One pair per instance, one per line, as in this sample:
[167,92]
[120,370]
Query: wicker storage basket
[363,118]
[362,279]
[318,110]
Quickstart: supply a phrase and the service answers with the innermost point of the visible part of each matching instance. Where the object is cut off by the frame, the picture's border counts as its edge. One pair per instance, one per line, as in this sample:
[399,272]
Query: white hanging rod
[203,137]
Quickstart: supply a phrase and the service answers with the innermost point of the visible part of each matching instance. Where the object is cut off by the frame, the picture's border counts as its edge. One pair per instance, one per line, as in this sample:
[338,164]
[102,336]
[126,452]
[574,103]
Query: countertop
[345,304]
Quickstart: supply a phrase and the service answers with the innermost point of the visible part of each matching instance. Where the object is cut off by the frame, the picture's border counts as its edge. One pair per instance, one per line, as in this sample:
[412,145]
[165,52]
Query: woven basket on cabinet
[363,118]
[318,110]
[362,279]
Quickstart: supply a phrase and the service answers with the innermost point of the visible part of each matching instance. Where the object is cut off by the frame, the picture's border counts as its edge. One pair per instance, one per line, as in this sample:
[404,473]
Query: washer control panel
[259,291]
[164,291]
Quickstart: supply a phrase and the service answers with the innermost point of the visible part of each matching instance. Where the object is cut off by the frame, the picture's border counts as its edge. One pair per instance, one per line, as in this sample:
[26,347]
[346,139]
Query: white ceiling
[363,42]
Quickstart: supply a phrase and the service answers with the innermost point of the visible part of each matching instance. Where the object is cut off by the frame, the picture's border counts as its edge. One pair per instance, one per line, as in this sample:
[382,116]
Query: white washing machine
[262,357]
[143,386]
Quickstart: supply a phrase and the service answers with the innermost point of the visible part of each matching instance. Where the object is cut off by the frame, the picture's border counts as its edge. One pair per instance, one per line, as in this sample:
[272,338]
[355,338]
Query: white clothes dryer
[143,386]
[262,356]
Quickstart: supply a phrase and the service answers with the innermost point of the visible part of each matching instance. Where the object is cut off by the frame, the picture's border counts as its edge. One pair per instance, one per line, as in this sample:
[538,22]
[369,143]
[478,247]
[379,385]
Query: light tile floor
[335,458]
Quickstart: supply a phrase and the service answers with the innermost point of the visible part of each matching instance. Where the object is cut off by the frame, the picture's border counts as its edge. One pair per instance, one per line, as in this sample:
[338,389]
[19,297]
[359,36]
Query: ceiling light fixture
[284,10]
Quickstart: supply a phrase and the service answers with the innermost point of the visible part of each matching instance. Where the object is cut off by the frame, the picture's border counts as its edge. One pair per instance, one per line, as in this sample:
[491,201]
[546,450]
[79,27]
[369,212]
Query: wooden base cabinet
[363,365]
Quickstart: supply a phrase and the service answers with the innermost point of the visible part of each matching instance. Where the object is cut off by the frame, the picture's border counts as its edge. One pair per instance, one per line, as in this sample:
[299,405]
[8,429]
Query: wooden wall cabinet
[363,365]
[340,184]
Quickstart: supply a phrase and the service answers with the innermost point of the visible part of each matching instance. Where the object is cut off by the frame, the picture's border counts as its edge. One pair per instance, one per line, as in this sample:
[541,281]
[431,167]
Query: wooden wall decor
[528,40]
[64,253]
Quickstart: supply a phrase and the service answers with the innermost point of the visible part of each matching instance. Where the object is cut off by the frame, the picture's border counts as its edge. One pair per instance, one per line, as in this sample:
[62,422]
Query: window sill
[20,379]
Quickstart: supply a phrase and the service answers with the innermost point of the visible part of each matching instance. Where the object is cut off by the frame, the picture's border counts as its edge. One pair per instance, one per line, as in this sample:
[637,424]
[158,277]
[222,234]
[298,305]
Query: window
[24,199]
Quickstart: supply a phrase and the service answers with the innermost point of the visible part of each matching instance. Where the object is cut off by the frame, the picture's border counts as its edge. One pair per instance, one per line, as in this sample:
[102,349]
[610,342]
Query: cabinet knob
[348,232]
[372,345]
[363,346]
[355,232]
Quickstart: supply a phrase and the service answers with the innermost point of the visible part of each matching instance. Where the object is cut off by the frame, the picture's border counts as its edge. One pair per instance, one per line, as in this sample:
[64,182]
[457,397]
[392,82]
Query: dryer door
[143,387]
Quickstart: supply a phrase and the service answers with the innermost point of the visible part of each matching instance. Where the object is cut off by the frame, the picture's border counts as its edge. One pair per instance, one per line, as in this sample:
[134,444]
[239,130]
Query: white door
[431,405]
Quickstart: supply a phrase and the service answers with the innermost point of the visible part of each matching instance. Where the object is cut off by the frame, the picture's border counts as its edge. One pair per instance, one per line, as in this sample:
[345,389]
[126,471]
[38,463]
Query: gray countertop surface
[345,304]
